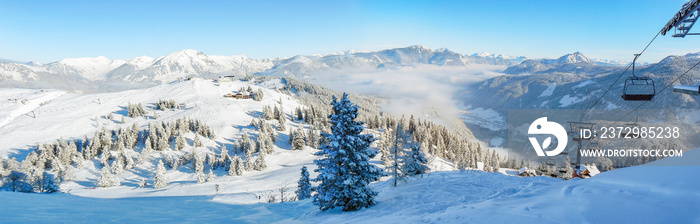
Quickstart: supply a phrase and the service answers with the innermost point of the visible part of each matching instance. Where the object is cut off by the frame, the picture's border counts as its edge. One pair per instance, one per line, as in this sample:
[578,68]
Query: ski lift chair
[638,88]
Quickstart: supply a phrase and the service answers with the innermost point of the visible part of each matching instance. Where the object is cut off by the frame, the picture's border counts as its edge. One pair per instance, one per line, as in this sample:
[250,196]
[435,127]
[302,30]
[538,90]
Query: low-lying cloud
[422,90]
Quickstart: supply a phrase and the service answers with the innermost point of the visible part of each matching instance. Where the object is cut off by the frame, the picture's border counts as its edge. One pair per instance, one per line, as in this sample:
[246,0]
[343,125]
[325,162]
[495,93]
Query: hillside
[644,194]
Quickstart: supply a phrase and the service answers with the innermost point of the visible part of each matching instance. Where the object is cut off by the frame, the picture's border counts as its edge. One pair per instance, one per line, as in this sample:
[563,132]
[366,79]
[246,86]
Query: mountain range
[103,74]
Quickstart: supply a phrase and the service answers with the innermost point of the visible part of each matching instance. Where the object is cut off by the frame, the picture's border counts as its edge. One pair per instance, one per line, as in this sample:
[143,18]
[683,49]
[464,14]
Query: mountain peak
[185,53]
[573,58]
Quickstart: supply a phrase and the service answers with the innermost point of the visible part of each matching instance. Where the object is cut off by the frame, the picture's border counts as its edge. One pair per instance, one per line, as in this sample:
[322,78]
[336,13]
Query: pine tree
[345,172]
[412,125]
[143,183]
[49,183]
[282,122]
[267,113]
[180,142]
[397,154]
[200,177]
[260,163]
[249,160]
[118,165]
[298,142]
[569,171]
[415,162]
[276,113]
[236,167]
[18,181]
[161,181]
[210,176]
[312,138]
[300,114]
[107,179]
[303,186]
[197,141]
[495,162]
[104,158]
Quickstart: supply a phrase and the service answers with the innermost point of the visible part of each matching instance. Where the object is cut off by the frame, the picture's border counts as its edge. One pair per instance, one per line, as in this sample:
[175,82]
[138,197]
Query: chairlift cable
[618,78]
[665,87]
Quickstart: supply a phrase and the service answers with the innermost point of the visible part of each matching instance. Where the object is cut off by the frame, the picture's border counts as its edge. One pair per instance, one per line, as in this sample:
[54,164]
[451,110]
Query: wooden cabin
[239,96]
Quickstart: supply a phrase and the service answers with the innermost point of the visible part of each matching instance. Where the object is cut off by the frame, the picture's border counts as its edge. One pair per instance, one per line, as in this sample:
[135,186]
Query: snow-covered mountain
[107,74]
[607,62]
[513,59]
[561,87]
[570,63]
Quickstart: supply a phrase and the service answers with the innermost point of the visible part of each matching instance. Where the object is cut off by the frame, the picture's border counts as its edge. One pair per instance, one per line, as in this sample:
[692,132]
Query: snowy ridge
[575,63]
[572,58]
[514,59]
[103,74]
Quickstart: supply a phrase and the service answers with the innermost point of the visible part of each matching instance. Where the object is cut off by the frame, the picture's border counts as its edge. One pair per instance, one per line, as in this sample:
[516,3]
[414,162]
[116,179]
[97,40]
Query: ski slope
[60,114]
[656,193]
[643,194]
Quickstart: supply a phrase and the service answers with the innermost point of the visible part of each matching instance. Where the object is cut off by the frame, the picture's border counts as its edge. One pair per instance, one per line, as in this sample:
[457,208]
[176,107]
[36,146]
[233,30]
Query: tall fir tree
[303,186]
[260,163]
[345,171]
[107,178]
[161,181]
[415,162]
[236,168]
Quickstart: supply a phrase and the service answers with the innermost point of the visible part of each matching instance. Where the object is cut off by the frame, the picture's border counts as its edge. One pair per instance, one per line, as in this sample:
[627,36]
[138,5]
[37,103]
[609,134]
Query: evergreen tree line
[52,163]
[439,141]
[166,104]
[135,110]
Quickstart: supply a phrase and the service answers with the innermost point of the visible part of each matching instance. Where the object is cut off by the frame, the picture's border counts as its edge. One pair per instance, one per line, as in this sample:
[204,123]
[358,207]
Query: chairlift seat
[645,84]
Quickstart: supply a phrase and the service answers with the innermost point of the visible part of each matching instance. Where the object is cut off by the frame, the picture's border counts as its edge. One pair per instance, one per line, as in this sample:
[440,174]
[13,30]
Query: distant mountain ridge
[106,75]
[101,72]
[575,63]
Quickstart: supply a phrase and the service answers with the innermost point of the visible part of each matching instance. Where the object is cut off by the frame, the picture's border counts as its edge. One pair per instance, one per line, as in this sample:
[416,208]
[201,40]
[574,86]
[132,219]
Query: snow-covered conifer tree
[107,179]
[236,166]
[197,141]
[180,142]
[210,176]
[50,183]
[345,171]
[201,178]
[276,113]
[161,181]
[415,162]
[118,165]
[282,122]
[569,171]
[143,183]
[260,163]
[303,186]
[249,160]
[298,142]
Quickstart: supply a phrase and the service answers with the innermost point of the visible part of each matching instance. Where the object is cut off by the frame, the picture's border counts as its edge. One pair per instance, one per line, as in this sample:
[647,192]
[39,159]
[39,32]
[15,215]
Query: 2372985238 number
[640,132]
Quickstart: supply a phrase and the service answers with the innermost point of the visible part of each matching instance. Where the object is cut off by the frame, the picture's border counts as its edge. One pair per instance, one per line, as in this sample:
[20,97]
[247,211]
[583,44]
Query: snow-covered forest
[302,151]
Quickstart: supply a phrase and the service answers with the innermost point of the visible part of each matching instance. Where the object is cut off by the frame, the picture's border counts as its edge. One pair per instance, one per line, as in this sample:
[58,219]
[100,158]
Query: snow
[548,92]
[660,191]
[643,194]
[90,68]
[575,57]
[73,115]
[584,83]
[484,117]
[568,100]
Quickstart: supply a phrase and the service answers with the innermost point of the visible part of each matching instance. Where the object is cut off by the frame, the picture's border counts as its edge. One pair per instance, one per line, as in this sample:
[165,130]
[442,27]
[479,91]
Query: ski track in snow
[31,106]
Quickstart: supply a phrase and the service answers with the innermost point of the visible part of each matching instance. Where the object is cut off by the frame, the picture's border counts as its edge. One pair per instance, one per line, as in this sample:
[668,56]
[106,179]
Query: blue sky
[51,30]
